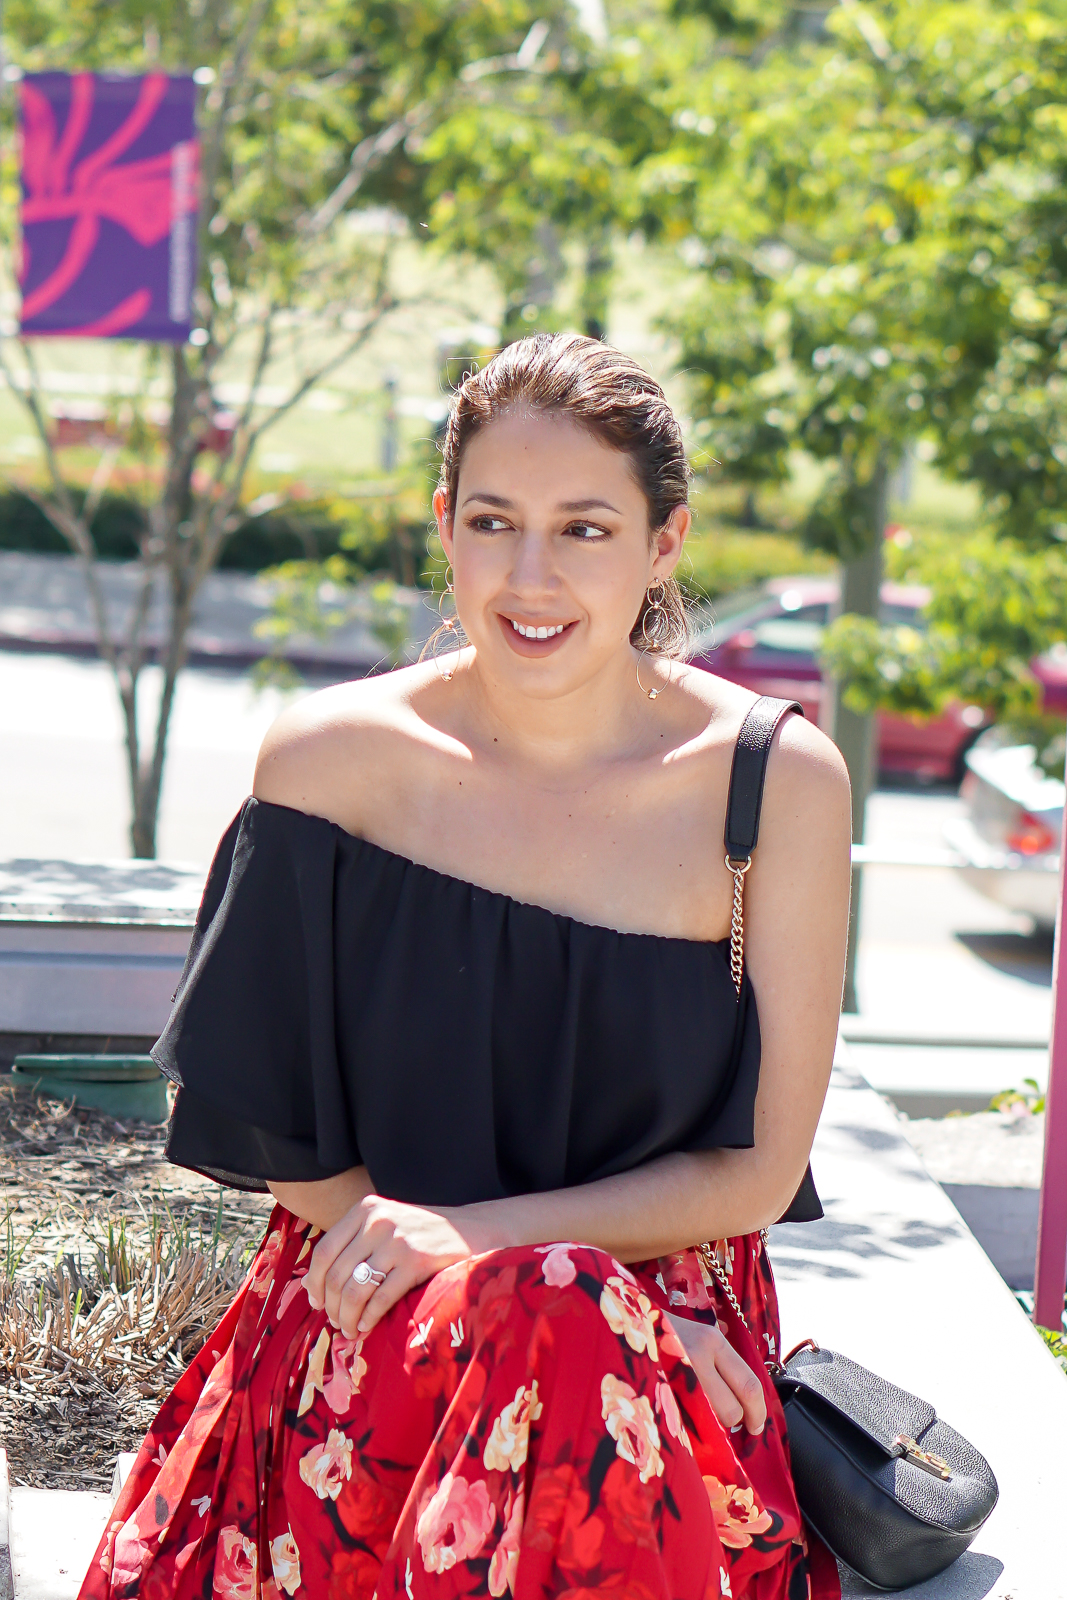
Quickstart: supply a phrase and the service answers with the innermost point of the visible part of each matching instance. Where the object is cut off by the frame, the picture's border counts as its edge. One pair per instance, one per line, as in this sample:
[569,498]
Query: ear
[668,542]
[443,518]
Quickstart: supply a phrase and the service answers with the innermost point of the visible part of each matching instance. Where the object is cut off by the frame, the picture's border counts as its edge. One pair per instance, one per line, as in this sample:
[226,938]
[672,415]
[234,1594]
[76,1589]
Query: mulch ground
[114,1268]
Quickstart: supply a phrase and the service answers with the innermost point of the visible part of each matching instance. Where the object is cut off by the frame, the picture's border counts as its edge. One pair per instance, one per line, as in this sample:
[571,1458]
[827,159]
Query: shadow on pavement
[971,1577]
[809,1244]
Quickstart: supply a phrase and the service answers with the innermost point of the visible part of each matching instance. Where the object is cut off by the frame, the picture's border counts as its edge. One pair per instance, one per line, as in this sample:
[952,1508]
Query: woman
[461,993]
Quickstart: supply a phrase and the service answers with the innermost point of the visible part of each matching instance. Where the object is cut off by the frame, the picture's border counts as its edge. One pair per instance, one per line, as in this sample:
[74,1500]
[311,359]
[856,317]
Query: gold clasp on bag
[921,1458]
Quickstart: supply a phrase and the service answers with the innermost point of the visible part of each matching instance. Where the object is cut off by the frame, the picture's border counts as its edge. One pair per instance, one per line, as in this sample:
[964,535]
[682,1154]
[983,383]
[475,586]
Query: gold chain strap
[737,869]
[737,921]
[713,1265]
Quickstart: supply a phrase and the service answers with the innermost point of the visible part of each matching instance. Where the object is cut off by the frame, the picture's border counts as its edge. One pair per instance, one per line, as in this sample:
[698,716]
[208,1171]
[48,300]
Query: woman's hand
[406,1243]
[735,1392]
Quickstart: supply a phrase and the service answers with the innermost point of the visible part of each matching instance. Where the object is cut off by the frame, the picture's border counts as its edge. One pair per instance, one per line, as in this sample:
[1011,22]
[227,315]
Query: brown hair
[609,394]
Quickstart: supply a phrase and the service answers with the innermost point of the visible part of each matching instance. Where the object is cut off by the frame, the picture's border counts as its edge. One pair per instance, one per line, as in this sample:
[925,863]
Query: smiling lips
[534,639]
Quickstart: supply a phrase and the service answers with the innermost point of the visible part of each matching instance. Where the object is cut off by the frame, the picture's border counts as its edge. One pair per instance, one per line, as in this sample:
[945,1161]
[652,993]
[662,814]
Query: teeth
[538,633]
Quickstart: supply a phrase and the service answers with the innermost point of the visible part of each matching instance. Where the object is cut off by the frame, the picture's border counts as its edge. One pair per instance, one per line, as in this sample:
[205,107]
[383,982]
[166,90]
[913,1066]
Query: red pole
[1050,1272]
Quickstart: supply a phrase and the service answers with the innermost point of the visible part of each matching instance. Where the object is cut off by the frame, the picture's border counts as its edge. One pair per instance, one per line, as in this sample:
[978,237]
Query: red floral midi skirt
[523,1425]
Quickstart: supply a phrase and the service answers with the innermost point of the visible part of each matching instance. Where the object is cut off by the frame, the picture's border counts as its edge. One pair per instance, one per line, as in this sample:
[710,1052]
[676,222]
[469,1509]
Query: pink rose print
[455,1523]
[265,1263]
[235,1566]
[507,1445]
[131,1555]
[736,1515]
[285,1562]
[667,1406]
[558,1268]
[294,1287]
[505,1560]
[630,1314]
[630,1422]
[349,1370]
[326,1466]
[684,1281]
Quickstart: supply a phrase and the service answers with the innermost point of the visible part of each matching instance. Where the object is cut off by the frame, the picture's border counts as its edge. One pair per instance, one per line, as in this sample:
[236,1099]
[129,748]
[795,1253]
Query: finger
[398,1281]
[745,1386]
[341,1289]
[326,1252]
[725,1404]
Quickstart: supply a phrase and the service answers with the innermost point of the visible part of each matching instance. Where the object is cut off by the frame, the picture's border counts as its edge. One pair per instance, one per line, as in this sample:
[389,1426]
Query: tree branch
[363,160]
[232,73]
[61,513]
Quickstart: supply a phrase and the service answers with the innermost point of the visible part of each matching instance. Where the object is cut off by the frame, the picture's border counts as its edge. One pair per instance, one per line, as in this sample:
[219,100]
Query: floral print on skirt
[524,1425]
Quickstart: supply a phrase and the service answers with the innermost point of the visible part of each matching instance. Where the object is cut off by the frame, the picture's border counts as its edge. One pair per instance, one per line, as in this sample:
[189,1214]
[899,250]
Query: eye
[586,531]
[487,523]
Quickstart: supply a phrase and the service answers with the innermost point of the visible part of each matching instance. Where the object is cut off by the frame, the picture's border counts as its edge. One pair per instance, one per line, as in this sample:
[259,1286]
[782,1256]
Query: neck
[597,721]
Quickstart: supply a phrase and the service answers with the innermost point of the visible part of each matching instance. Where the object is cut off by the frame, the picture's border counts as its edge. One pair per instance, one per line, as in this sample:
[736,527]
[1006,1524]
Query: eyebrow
[504,504]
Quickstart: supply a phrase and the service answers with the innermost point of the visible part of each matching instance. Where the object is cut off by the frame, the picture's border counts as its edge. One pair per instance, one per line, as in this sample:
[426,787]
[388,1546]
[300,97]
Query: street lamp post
[1050,1273]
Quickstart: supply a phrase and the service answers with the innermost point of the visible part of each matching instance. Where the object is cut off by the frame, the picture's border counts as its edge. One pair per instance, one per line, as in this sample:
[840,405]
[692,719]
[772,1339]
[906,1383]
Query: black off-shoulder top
[342,1005]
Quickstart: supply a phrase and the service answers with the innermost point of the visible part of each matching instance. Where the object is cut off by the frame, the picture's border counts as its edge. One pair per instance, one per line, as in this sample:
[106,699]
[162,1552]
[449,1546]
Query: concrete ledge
[892,1277]
[53,1535]
[930,1079]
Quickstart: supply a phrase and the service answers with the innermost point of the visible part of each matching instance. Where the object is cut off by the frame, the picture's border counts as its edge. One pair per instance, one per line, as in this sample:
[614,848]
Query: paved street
[936,958]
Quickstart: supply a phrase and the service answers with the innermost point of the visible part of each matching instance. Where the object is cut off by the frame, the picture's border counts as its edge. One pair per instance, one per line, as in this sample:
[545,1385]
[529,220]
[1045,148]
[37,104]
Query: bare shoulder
[321,754]
[807,806]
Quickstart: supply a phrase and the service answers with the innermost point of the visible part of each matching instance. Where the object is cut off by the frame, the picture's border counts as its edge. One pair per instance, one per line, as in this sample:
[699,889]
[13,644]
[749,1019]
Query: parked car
[1011,835]
[770,645]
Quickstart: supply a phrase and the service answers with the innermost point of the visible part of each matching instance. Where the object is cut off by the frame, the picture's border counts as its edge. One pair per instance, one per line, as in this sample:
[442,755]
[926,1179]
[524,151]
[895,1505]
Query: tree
[877,207]
[979,217]
[312,110]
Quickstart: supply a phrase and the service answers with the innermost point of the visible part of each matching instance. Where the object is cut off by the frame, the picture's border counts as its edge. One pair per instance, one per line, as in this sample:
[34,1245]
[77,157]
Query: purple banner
[110,197]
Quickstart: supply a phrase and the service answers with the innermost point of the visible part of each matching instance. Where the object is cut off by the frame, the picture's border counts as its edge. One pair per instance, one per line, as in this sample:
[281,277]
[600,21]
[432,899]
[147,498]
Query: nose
[533,571]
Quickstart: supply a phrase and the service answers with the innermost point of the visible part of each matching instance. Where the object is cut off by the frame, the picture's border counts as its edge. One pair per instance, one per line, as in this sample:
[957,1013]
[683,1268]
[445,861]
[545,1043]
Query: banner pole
[1050,1270]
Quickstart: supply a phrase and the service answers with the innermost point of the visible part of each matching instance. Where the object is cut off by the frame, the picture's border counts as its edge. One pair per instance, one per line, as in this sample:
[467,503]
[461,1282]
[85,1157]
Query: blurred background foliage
[854,216]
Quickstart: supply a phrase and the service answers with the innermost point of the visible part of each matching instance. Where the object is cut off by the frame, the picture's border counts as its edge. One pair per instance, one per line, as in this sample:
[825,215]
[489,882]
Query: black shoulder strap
[748,773]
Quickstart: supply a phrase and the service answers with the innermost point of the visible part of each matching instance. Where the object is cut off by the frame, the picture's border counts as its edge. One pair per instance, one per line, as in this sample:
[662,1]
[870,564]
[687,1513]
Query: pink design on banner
[108,242]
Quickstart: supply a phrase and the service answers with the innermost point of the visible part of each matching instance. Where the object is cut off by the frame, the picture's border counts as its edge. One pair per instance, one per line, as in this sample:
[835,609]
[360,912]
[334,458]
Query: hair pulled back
[607,393]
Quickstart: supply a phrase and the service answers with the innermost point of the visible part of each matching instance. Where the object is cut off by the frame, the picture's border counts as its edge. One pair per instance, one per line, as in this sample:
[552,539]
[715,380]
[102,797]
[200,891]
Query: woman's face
[549,545]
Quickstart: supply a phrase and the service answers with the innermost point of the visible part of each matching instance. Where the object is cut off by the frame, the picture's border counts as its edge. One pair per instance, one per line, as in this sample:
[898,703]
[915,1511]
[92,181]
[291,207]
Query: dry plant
[114,1268]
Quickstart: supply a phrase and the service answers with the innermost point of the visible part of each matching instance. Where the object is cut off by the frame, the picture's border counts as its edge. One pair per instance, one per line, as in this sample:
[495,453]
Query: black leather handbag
[894,1492]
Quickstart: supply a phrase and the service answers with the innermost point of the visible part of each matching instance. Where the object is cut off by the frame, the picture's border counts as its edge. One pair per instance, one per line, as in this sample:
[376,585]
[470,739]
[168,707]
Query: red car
[770,646]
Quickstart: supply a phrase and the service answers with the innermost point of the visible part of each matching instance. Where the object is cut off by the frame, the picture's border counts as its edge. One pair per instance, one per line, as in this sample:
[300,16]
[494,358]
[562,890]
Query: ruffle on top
[342,1005]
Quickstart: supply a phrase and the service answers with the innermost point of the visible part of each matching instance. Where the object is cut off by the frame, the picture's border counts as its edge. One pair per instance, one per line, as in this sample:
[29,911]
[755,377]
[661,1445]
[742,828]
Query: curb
[7,1572]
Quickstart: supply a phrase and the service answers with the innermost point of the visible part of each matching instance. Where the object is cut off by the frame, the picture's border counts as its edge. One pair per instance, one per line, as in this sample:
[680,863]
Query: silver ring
[365,1273]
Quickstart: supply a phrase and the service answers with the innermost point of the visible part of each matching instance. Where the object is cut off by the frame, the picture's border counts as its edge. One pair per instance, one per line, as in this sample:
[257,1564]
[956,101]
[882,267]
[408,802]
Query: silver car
[1011,834]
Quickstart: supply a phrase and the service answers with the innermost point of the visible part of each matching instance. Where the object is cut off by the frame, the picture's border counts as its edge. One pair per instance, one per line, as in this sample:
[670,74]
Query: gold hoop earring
[450,624]
[655,692]
[656,635]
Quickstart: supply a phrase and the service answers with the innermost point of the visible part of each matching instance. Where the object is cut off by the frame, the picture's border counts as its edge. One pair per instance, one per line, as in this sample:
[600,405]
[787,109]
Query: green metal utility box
[127,1087]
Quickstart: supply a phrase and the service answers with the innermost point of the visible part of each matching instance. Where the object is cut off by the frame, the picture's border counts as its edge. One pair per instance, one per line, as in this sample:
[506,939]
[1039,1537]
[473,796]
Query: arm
[324,1203]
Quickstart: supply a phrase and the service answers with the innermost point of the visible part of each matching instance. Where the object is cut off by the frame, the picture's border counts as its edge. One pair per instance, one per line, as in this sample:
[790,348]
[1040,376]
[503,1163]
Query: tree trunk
[857,736]
[596,286]
[143,825]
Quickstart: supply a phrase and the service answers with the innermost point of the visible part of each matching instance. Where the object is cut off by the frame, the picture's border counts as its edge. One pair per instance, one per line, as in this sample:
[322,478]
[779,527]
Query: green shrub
[116,526]
[380,532]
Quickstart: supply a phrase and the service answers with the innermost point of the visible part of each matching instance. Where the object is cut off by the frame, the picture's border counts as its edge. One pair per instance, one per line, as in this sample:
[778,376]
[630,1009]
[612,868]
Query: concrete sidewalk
[892,1277]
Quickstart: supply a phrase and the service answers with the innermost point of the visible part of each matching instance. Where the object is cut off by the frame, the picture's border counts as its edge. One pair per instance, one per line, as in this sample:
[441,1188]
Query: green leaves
[894,185]
[994,607]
